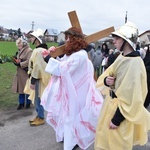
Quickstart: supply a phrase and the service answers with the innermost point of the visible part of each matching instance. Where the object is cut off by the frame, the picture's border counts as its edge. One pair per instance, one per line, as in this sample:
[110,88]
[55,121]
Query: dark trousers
[23,98]
[147,100]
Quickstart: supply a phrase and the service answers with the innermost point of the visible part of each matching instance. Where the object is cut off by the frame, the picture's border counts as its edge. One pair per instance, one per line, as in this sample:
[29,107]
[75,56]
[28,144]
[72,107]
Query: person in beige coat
[21,60]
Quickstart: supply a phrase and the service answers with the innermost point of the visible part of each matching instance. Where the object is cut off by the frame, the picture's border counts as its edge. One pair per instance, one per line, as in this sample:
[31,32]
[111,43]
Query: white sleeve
[53,67]
[56,67]
[103,62]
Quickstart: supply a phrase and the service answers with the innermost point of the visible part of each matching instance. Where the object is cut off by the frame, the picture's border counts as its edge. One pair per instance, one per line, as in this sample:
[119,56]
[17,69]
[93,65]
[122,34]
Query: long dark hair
[106,50]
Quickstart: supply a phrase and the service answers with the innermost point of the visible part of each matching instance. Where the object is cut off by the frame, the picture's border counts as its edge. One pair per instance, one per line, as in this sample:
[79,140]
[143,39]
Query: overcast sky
[94,15]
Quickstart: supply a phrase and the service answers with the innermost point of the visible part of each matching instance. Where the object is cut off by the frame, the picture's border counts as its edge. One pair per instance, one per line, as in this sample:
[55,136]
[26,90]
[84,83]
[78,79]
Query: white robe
[72,101]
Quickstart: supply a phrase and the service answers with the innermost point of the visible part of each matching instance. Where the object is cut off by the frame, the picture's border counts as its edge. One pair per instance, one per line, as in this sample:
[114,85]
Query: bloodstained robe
[72,101]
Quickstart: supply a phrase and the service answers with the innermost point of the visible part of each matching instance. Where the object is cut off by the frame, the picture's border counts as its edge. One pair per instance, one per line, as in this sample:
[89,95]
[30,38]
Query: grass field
[7,72]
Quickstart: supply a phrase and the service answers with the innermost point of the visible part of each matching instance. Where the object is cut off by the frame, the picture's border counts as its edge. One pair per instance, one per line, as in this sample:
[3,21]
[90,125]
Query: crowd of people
[109,110]
[102,57]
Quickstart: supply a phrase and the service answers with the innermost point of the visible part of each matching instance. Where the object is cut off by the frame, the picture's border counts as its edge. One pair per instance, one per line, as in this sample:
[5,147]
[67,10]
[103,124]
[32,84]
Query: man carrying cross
[71,99]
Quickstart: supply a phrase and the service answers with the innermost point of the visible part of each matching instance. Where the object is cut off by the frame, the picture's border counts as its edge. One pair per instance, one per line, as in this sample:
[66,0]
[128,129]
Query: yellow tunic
[130,89]
[37,70]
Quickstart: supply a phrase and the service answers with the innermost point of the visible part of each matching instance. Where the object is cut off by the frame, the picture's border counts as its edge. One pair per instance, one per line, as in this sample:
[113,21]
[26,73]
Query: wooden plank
[90,38]
[99,35]
[74,20]
[59,51]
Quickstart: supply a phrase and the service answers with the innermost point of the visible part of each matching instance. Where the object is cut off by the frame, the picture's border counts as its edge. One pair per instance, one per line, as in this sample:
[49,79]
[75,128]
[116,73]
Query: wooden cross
[89,39]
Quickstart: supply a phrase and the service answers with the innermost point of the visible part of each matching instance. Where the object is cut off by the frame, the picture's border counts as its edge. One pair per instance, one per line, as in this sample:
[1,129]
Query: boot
[27,106]
[33,120]
[38,122]
[20,106]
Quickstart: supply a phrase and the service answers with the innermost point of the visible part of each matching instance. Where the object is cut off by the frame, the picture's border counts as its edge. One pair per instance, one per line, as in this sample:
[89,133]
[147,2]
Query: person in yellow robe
[123,122]
[39,79]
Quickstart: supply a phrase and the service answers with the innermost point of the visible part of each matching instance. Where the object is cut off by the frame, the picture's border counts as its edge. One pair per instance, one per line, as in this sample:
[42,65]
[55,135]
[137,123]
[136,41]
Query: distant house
[51,35]
[13,34]
[61,37]
[145,37]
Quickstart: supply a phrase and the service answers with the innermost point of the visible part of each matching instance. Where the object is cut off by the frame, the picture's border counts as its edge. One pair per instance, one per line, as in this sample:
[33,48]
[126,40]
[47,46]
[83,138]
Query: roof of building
[52,32]
[148,31]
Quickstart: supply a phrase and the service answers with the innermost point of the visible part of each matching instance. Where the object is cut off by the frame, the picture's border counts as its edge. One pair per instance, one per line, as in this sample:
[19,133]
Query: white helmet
[38,34]
[128,32]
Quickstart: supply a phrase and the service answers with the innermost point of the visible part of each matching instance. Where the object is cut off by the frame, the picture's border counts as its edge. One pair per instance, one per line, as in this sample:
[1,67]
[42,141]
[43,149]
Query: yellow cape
[130,89]
[37,70]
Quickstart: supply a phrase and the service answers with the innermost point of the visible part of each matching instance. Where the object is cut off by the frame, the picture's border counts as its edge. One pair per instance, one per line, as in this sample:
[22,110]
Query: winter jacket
[97,59]
[21,75]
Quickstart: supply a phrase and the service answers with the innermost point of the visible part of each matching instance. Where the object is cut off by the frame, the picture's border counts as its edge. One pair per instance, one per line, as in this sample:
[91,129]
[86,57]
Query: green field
[7,72]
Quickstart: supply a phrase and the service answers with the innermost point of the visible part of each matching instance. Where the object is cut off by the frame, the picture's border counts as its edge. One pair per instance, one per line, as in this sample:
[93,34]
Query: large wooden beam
[90,38]
[59,51]
[74,20]
[99,35]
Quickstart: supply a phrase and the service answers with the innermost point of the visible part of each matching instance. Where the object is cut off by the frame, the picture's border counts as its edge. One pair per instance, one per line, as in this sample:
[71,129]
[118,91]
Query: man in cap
[124,121]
